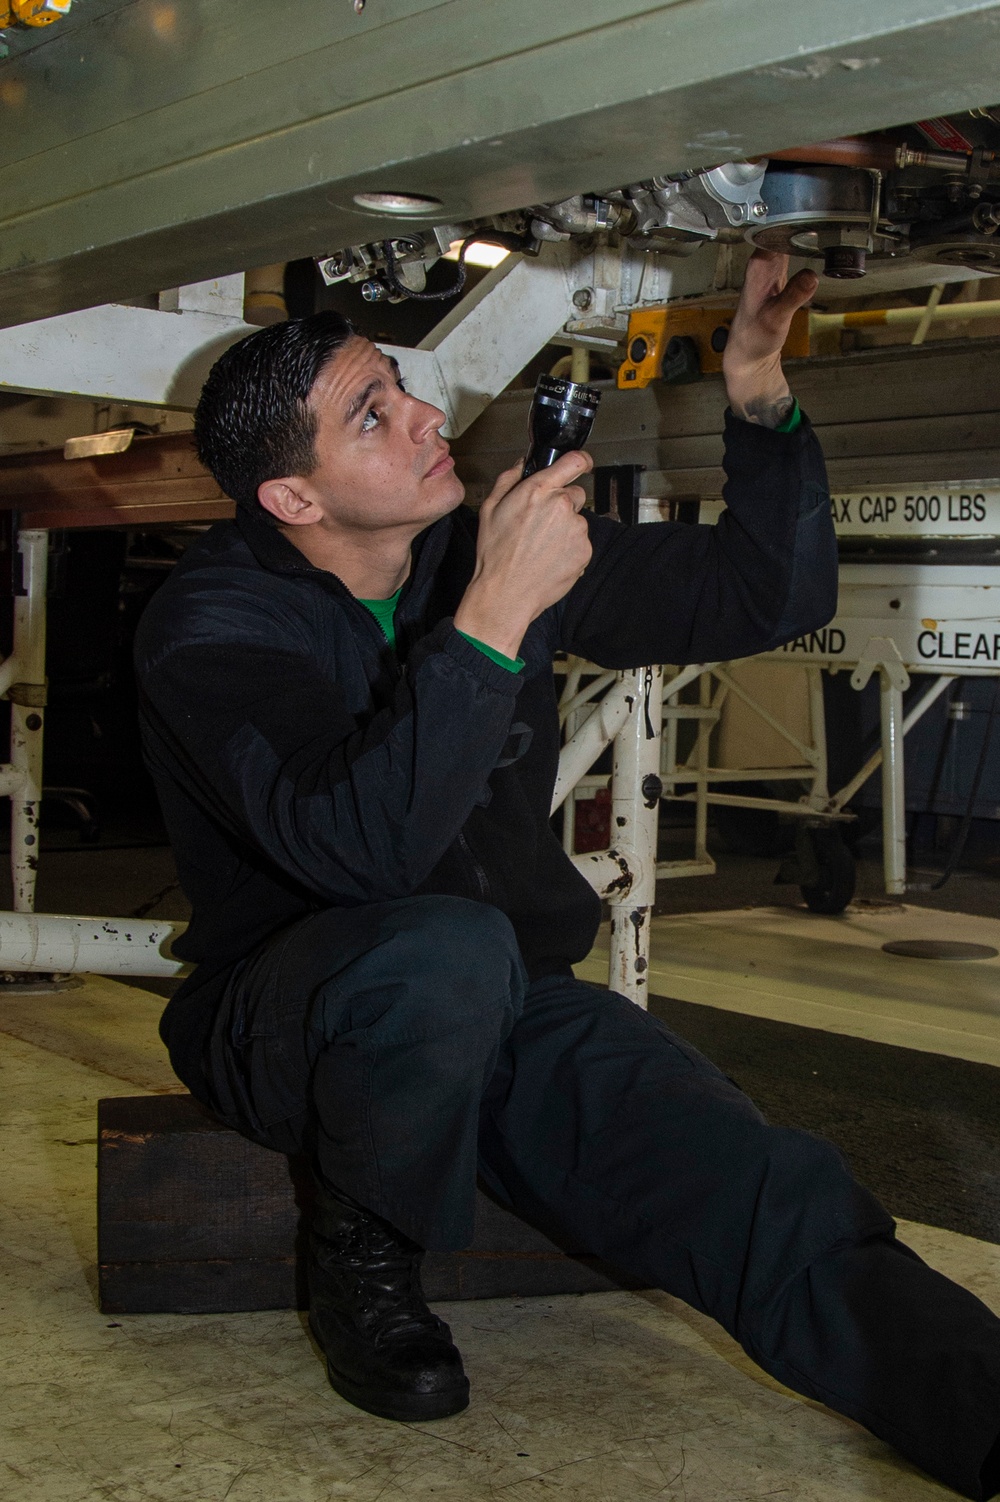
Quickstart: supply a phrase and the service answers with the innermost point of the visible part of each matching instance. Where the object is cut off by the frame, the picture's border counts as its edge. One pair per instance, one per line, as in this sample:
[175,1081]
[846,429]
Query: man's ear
[289,502]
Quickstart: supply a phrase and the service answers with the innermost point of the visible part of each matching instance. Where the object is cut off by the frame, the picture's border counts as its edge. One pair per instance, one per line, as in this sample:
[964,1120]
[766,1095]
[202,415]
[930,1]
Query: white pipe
[778,805]
[701,747]
[964,312]
[10,781]
[689,712]
[787,773]
[635,816]
[574,672]
[920,333]
[673,711]
[817,732]
[100,946]
[672,686]
[858,781]
[27,718]
[610,872]
[585,695]
[597,731]
[893,787]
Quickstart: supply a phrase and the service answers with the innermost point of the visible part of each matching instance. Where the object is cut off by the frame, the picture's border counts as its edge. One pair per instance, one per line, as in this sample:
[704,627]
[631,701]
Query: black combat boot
[385,1351]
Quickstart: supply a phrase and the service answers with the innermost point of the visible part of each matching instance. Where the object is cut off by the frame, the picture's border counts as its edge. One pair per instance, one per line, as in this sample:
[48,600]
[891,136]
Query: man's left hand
[751,365]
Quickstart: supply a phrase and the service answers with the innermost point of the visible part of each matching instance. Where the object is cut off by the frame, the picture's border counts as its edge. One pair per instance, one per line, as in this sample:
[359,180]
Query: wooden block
[195,1219]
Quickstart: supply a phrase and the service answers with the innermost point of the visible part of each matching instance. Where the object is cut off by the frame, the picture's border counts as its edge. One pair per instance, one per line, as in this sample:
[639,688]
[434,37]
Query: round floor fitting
[940,949]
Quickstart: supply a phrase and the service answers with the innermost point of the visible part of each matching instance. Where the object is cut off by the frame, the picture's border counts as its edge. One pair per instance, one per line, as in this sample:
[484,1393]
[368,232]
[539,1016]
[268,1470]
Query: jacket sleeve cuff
[512,664]
[448,639]
[794,419]
[760,440]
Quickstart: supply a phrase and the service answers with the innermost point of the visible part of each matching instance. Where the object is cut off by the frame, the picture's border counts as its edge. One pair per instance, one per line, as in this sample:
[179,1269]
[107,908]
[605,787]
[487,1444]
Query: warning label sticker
[919,512]
[945,135]
[970,645]
[970,509]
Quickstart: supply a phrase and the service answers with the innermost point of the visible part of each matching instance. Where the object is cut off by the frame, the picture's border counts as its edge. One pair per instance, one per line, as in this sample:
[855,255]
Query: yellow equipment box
[678,344]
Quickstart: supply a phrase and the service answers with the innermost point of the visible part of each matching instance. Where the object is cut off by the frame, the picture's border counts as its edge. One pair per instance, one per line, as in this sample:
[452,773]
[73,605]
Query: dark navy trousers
[402,1047]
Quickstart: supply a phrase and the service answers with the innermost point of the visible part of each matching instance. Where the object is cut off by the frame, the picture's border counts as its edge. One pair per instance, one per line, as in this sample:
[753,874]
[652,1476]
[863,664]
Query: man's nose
[427,418]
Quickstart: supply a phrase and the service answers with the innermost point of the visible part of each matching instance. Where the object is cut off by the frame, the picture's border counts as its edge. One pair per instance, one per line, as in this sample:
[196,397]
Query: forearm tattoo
[767,412]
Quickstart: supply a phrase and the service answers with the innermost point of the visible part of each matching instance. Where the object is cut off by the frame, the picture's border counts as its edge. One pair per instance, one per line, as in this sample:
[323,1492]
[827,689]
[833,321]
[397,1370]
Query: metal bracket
[29,695]
[881,655]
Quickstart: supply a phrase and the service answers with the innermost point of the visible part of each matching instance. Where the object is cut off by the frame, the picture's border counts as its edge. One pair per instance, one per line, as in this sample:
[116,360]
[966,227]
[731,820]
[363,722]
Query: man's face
[381,460]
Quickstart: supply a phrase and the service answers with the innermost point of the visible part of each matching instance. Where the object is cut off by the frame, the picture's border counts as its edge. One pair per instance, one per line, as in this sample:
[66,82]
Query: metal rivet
[34,722]
[359,6]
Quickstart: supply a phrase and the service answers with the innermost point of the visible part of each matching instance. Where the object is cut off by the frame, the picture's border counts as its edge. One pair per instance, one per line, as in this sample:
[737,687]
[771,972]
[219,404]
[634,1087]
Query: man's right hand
[533,546]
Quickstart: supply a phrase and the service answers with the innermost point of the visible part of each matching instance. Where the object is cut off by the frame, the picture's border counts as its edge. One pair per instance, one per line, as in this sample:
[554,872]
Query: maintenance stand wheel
[834,887]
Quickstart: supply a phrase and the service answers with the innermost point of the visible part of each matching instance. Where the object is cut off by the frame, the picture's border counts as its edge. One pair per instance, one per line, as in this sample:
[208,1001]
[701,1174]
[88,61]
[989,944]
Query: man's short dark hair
[253,422]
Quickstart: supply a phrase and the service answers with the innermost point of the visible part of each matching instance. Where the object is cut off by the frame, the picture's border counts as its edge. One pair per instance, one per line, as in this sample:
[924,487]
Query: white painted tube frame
[50,942]
[869,318]
[635,822]
[24,681]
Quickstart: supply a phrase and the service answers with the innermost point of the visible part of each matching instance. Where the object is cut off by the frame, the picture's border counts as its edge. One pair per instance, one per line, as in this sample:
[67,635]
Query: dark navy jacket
[301,763]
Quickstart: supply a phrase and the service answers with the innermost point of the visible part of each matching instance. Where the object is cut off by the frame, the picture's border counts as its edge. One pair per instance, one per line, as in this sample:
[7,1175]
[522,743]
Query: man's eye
[370,420]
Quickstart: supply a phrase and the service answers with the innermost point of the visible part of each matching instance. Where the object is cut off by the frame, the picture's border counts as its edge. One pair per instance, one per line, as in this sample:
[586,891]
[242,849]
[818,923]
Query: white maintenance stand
[935,616]
[896,619]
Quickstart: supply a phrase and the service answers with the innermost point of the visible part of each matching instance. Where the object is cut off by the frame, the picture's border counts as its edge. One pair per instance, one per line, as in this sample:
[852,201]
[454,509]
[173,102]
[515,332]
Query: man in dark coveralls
[348,707]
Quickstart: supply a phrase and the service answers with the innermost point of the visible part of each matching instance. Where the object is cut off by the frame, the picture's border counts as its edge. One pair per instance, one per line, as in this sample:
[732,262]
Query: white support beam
[140,356]
[221,295]
[160,357]
[481,344]
[489,337]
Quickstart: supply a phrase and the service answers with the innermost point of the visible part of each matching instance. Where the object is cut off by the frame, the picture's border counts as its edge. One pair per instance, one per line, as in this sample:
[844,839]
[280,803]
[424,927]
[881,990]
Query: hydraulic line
[871,153]
[491,237]
[964,312]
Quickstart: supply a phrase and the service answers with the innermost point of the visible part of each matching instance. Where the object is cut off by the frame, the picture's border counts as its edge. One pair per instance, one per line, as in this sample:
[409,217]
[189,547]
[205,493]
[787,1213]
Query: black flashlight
[561,417]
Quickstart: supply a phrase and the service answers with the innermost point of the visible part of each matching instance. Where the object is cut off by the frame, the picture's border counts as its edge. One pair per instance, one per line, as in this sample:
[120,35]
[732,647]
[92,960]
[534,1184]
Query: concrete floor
[831,973]
[600,1398]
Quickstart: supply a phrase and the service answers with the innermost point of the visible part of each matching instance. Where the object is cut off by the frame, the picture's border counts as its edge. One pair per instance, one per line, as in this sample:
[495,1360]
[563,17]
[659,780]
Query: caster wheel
[834,886]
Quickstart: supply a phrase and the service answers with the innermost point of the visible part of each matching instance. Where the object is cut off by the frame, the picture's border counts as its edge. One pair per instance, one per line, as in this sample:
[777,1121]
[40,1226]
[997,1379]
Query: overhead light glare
[480,253]
[397,203]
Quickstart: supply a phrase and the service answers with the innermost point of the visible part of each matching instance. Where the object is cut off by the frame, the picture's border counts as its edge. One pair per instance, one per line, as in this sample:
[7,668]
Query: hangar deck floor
[602,1398]
[787,964]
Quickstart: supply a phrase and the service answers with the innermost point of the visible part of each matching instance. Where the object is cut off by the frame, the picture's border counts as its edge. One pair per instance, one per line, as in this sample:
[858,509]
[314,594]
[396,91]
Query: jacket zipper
[482,880]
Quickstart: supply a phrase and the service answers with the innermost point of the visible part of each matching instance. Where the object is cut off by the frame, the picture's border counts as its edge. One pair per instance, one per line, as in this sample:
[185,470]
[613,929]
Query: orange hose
[850,151]
[872,153]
